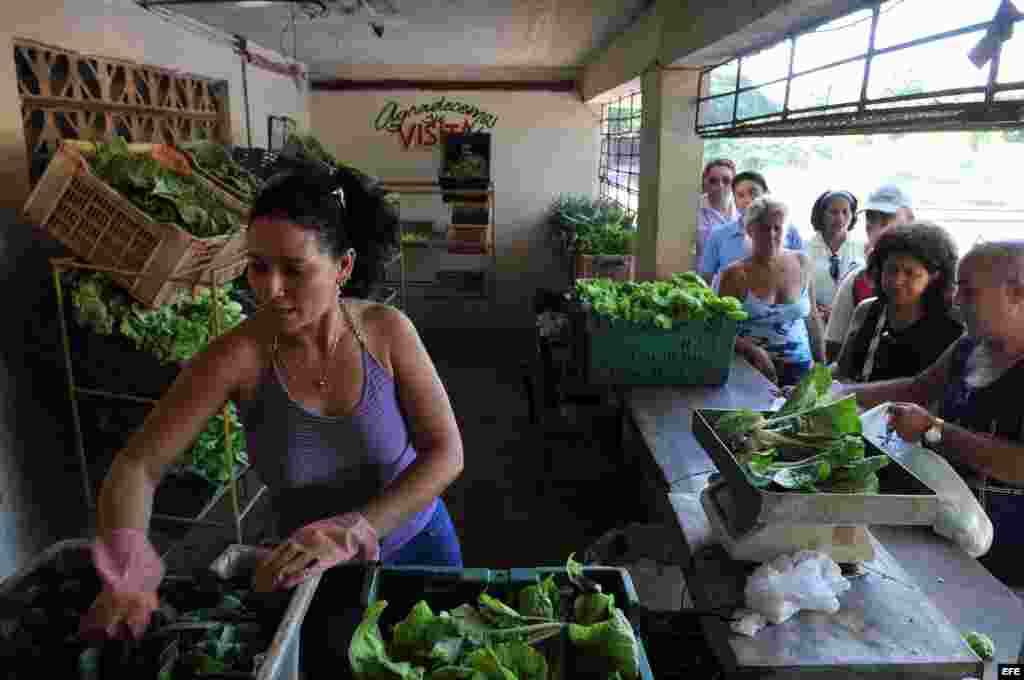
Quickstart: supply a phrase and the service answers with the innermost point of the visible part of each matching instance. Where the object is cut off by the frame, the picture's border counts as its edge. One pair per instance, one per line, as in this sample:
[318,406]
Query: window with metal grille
[619,168]
[895,66]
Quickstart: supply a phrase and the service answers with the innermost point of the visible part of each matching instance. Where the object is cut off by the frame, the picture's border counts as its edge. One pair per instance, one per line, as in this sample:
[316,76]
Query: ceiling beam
[146,4]
[345,85]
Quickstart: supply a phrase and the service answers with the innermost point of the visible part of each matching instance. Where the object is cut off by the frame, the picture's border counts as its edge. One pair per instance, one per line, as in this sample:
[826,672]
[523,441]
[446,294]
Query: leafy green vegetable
[592,608]
[498,612]
[368,656]
[426,639]
[486,661]
[613,640]
[981,644]
[606,239]
[455,673]
[657,304]
[812,388]
[172,333]
[525,662]
[214,161]
[540,600]
[162,193]
[775,449]
[867,484]
[574,570]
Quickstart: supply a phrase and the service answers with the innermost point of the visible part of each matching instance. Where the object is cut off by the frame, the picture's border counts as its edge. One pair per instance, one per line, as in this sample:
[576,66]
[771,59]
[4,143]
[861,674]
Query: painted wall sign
[421,126]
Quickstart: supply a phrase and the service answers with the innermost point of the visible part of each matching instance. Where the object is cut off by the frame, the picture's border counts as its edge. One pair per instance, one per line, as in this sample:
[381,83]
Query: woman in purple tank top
[346,419]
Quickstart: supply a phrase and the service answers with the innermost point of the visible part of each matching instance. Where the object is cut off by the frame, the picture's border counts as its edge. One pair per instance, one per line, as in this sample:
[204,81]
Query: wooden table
[929,579]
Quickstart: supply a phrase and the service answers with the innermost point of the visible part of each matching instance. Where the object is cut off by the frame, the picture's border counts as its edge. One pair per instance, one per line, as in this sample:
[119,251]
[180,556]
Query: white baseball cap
[888,198]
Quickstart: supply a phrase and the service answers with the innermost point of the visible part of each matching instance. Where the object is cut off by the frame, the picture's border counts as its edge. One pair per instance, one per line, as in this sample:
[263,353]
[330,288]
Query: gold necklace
[321,384]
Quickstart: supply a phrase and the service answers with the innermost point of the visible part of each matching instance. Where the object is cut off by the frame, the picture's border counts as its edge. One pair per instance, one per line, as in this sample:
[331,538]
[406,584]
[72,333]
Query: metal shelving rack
[61,265]
[433,188]
[387,294]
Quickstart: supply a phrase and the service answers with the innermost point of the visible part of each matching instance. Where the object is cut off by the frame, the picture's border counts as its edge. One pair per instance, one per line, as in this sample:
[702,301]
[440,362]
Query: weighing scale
[758,525]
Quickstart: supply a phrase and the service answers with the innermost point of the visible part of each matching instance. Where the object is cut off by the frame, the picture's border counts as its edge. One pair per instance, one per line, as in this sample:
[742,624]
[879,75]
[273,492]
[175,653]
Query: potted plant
[593,233]
[606,251]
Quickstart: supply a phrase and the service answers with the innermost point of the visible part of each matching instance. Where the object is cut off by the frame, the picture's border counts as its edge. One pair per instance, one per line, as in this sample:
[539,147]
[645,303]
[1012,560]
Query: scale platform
[764,542]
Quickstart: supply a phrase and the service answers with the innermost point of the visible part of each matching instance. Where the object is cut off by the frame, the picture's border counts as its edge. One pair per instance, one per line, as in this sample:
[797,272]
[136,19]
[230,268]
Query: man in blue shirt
[729,242]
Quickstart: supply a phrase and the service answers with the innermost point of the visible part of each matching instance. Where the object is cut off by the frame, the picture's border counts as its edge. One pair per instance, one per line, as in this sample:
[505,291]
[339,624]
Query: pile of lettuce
[213,160]
[311,147]
[495,640]
[173,333]
[812,444]
[659,304]
[163,194]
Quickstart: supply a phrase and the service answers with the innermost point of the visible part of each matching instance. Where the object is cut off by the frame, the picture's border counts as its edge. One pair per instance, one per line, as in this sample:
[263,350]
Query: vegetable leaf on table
[368,656]
[614,640]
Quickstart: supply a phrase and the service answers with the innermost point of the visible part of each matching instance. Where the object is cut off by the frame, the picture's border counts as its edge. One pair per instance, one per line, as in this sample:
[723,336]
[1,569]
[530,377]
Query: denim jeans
[436,546]
[1007,514]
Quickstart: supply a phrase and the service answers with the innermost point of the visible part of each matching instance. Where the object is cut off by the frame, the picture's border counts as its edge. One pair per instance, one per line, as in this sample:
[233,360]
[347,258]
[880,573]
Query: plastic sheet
[961,518]
[790,583]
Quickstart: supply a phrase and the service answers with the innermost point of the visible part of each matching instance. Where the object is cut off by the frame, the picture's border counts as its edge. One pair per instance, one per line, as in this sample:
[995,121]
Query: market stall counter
[905,610]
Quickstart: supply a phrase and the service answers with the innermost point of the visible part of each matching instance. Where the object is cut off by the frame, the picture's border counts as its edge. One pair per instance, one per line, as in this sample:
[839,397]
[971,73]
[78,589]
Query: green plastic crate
[691,353]
[445,588]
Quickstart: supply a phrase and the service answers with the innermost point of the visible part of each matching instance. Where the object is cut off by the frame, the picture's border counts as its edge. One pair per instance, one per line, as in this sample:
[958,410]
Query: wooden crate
[615,267]
[471,238]
[157,260]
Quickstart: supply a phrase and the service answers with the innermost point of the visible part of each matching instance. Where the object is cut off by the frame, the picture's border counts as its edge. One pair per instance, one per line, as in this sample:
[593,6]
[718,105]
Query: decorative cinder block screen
[67,95]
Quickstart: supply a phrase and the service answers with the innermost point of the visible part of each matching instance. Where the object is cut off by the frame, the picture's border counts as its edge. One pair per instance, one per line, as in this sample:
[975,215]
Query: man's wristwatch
[933,435]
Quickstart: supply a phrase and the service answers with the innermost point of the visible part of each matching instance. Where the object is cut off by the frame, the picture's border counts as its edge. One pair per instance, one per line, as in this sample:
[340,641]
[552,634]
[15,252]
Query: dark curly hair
[929,244]
[750,176]
[344,208]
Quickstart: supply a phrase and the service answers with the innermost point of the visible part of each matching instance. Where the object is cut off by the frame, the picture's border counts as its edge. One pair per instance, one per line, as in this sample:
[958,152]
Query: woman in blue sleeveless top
[346,418]
[979,427]
[783,335]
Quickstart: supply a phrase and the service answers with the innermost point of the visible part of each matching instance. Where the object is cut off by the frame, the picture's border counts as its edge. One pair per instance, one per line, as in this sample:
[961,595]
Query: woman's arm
[815,331]
[731,283]
[431,423]
[126,497]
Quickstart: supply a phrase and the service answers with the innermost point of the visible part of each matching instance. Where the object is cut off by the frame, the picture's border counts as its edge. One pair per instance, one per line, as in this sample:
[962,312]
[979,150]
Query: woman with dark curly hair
[909,325]
[346,419]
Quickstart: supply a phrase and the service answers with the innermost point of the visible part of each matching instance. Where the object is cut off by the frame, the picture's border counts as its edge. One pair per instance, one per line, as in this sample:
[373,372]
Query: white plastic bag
[961,519]
[789,583]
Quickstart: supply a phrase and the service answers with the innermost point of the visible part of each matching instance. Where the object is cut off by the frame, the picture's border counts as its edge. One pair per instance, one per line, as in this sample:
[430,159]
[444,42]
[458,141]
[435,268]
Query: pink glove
[131,571]
[317,547]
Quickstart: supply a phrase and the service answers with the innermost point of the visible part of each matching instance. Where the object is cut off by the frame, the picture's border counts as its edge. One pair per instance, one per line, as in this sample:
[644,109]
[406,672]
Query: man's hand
[909,421]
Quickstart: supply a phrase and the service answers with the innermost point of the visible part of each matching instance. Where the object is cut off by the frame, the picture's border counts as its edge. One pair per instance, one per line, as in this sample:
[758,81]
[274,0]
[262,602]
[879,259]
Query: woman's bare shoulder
[733,280]
[383,327]
[237,356]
